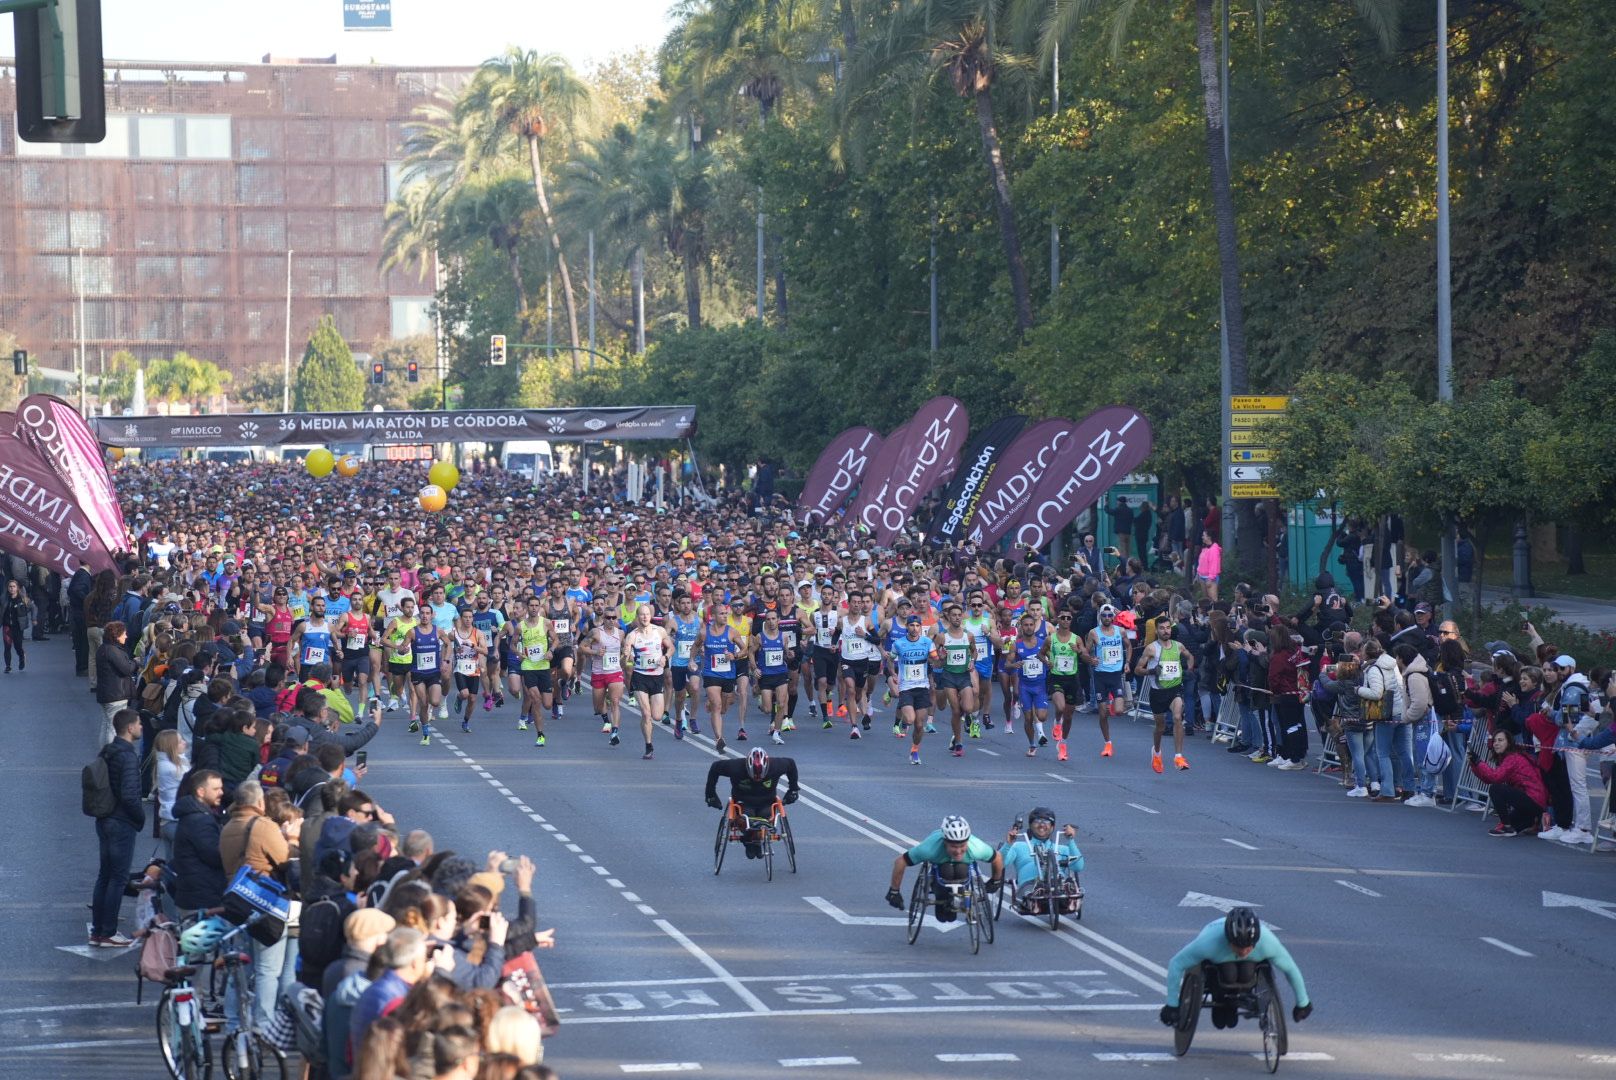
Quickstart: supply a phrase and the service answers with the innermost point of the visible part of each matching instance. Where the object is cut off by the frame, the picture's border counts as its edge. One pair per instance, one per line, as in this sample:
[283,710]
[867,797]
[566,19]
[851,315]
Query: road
[1595,615]
[1427,945]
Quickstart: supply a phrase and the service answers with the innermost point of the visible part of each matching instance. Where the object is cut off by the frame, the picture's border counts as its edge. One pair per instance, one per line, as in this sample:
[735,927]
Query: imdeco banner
[669,422]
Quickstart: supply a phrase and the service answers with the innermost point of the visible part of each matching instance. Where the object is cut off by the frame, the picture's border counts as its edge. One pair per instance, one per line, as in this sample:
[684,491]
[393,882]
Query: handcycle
[1055,892]
[771,830]
[968,898]
[1248,987]
[183,1024]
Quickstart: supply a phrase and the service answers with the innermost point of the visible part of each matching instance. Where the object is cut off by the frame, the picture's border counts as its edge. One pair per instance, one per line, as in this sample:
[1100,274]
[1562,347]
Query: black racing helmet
[1242,927]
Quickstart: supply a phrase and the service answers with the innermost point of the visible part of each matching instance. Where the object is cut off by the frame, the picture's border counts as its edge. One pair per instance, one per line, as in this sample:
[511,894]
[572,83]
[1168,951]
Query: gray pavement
[1578,610]
[1427,945]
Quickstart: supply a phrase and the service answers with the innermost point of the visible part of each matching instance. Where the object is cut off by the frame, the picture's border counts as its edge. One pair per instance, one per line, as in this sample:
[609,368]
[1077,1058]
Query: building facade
[176,232]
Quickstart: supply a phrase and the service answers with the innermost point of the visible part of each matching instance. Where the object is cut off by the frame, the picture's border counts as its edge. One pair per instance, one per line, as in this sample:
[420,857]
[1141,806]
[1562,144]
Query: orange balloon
[433,498]
[347,465]
[116,452]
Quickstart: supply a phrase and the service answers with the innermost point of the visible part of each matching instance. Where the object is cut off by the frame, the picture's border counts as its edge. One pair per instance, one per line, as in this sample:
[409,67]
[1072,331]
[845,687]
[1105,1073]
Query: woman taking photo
[1514,785]
[16,617]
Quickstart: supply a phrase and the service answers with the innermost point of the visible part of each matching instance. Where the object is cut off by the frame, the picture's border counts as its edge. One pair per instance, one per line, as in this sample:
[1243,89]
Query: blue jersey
[1111,649]
[684,640]
[583,597]
[488,622]
[426,650]
[895,630]
[771,654]
[1021,862]
[1033,670]
[315,645]
[912,657]
[337,606]
[717,656]
[1212,944]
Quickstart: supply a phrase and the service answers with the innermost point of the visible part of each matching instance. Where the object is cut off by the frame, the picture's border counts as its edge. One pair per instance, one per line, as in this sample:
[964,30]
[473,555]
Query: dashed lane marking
[1240,844]
[1506,946]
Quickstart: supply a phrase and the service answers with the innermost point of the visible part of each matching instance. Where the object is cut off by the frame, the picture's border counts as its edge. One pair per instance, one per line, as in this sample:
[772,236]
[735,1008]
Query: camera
[508,866]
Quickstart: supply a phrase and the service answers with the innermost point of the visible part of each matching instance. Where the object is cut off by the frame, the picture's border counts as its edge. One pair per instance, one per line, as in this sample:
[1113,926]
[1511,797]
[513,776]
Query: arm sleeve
[1071,851]
[791,774]
[1280,957]
[714,771]
[353,740]
[1186,958]
[1373,687]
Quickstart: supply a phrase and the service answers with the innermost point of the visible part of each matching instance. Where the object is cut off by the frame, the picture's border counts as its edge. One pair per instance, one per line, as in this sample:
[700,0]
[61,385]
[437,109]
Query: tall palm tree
[615,186]
[493,207]
[959,39]
[526,98]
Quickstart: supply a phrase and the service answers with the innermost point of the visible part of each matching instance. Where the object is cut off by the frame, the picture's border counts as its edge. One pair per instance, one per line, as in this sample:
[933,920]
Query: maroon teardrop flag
[40,520]
[840,467]
[58,435]
[1015,478]
[874,484]
[1105,446]
[931,444]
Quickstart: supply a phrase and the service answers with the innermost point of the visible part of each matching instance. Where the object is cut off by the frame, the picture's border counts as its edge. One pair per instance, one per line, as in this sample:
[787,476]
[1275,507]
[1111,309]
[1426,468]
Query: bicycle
[1056,887]
[969,898]
[183,1025]
[735,824]
[1247,987]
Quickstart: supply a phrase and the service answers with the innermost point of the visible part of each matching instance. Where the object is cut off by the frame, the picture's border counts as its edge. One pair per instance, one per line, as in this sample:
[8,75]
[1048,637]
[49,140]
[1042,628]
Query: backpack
[99,800]
[1445,697]
[1436,756]
[159,951]
[321,938]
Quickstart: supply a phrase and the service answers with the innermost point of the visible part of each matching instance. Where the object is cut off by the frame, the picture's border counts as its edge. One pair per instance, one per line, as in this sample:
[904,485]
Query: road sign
[1259,403]
[1242,456]
[1246,438]
[1252,419]
[1253,491]
[1249,472]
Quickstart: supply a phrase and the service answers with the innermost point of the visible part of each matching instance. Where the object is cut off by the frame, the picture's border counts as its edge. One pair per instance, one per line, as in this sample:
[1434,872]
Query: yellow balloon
[116,452]
[444,475]
[320,462]
[433,498]
[347,465]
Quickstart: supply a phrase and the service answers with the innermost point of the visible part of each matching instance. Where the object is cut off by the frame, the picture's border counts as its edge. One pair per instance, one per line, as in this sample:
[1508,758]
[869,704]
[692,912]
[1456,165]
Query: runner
[650,647]
[470,665]
[604,647]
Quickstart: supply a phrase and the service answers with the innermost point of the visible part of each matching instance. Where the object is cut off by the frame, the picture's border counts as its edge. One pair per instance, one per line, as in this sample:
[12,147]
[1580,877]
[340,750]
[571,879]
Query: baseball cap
[915,619]
[298,736]
[1422,608]
[1564,660]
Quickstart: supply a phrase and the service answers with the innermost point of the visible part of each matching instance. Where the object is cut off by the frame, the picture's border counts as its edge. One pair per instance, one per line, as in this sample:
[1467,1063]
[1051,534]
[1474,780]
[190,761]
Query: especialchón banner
[458,425]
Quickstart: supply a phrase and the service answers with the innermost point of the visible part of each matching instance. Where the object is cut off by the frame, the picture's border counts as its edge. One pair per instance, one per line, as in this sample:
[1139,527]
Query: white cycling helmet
[956,828]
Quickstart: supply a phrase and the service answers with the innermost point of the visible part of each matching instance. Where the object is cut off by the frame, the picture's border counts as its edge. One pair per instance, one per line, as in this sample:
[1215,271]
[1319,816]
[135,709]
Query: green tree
[327,378]
[116,385]
[183,377]
[261,388]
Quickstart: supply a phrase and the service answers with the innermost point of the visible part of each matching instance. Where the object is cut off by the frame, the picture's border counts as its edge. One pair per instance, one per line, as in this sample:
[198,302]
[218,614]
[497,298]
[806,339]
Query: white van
[528,458]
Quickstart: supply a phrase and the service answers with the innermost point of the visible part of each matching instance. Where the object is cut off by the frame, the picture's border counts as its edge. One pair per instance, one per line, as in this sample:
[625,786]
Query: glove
[789,797]
[994,884]
[1302,1012]
[1169,1015]
[895,898]
[712,801]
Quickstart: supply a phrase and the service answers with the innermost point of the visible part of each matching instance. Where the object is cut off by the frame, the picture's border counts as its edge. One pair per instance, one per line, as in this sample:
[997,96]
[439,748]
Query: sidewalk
[1591,614]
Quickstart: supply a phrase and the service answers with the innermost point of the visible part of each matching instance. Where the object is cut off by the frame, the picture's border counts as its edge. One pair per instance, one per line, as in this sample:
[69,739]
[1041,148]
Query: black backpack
[1445,696]
[99,800]
[321,938]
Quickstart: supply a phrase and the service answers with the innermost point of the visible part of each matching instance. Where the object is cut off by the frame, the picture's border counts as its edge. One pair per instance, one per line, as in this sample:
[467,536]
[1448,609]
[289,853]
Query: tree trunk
[638,272]
[1007,217]
[516,276]
[1573,551]
[555,245]
[1478,539]
[849,28]
[780,280]
[687,251]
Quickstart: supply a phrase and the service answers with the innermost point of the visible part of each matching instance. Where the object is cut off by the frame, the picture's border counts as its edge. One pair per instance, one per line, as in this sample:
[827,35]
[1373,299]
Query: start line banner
[668,422]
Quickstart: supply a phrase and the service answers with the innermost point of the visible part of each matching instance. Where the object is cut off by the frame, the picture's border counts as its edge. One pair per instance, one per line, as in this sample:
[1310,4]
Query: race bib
[774,657]
[426,660]
[535,652]
[466,665]
[855,648]
[561,626]
[1032,667]
[314,654]
[914,673]
[611,661]
[356,641]
[1111,652]
[981,651]
[1169,670]
[681,649]
[789,637]
[1065,664]
[956,656]
[721,663]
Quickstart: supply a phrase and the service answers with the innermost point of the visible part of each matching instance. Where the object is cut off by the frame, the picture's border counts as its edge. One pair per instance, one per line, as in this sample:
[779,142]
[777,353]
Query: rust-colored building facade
[173,234]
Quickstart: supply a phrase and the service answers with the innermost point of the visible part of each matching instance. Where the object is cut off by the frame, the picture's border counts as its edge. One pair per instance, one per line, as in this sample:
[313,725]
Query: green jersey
[1062,655]
[1170,665]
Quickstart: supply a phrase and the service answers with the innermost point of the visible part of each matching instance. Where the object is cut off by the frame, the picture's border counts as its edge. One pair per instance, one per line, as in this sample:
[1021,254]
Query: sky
[425,32]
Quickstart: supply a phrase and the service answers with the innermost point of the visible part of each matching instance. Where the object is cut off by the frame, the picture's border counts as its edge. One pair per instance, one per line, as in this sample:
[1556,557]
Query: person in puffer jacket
[1514,785]
[1394,744]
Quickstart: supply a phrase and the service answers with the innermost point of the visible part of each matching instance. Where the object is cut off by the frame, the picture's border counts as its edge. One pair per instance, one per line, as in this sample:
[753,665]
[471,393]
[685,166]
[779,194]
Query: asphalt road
[1427,946]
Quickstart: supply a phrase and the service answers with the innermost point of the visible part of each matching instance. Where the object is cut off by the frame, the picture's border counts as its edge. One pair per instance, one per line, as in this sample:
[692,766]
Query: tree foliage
[327,379]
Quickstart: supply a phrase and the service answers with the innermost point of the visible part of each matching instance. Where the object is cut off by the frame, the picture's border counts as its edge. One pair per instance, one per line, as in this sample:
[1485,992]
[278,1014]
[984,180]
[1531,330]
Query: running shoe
[465,725]
[1105,751]
[615,741]
[719,746]
[975,729]
[1016,716]
[1155,763]
[679,730]
[868,720]
[1180,764]
[488,703]
[1058,731]
[740,734]
[1060,751]
[774,737]
[539,741]
[841,710]
[813,708]
[667,719]
[956,749]
[1043,740]
[788,724]
[931,728]
[1261,758]
[426,740]
[1032,751]
[914,757]
[521,725]
[691,725]
[886,698]
[987,722]
[897,730]
[1501,830]
[443,710]
[648,753]
[828,725]
[415,726]
[605,726]
[855,733]
[499,701]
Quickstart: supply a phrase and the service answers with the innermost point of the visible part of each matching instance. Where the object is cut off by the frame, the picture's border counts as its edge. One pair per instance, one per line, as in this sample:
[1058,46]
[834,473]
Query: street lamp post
[286,348]
[1444,286]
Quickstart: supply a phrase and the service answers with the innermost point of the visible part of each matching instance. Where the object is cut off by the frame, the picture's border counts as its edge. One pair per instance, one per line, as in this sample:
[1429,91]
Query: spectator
[170,752]
[1571,710]
[515,1031]
[366,932]
[1122,524]
[1382,689]
[1417,717]
[17,618]
[249,840]
[115,676]
[1284,663]
[198,861]
[405,963]
[1209,565]
[96,612]
[117,831]
[1514,786]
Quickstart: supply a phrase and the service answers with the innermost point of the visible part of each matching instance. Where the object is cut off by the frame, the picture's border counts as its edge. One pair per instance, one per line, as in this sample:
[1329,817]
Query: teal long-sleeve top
[1021,865]
[1212,944]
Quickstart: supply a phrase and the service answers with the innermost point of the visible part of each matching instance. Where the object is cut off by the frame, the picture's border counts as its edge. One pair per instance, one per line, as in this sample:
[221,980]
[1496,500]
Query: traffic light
[19,362]
[61,94]
[415,371]
[378,374]
[496,350]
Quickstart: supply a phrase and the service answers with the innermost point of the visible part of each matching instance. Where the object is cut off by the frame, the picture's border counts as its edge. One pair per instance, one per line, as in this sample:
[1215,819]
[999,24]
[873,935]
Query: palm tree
[184,377]
[959,39]
[526,98]
[410,229]
[615,186]
[493,207]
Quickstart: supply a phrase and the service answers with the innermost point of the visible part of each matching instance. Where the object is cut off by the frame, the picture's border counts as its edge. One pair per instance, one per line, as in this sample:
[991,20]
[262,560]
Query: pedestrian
[117,831]
[1122,523]
[198,862]
[17,617]
[78,590]
[97,610]
[115,676]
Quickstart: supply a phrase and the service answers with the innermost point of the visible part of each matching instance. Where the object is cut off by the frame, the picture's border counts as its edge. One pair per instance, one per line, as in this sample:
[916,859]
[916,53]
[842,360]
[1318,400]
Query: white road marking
[1598,1059]
[503,790]
[647,909]
[563,839]
[756,1003]
[601,870]
[1144,962]
[664,1067]
[574,848]
[809,1063]
[1137,1056]
[1506,946]
[548,827]
[871,1010]
[1357,888]
[630,897]
[83,1007]
[96,1044]
[1146,809]
[1299,1055]
[1239,844]
[631,984]
[977,1057]
[1467,1059]
[587,860]
[989,753]
[871,920]
[515,800]
[1058,776]
[614,883]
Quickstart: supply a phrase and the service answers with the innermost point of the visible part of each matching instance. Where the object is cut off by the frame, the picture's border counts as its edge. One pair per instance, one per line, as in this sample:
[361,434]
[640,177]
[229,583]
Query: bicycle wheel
[791,845]
[998,901]
[1271,1021]
[179,1041]
[972,916]
[767,851]
[917,906]
[1189,1012]
[1052,892]
[979,907]
[721,843]
[252,1057]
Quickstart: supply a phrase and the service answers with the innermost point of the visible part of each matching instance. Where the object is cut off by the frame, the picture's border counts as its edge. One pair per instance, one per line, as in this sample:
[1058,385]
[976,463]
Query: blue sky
[426,32]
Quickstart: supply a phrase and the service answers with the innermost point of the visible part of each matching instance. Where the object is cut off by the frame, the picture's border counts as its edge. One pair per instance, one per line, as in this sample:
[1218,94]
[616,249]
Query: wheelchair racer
[754,782]
[1020,851]
[1238,936]
[951,849]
